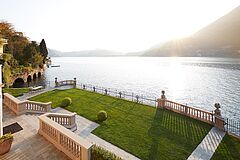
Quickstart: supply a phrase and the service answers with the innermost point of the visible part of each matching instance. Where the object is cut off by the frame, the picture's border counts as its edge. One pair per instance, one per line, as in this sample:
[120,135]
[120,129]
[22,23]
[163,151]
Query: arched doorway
[18,83]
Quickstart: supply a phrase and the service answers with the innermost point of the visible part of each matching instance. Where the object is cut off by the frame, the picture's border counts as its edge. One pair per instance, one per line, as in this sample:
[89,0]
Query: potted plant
[5,143]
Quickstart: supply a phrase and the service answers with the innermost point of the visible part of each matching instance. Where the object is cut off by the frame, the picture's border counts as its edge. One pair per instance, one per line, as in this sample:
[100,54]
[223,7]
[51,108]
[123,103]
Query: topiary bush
[66,102]
[98,153]
[102,116]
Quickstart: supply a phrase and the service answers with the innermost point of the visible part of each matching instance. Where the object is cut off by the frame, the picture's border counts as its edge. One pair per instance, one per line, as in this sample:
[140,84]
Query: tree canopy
[43,49]
[20,47]
[21,52]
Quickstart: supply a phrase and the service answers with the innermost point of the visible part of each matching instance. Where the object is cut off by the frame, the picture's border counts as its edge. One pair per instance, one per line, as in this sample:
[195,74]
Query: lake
[198,82]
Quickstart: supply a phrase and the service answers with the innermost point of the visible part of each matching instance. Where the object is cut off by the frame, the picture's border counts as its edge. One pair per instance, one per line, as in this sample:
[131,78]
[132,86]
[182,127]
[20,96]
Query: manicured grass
[228,149]
[16,92]
[144,131]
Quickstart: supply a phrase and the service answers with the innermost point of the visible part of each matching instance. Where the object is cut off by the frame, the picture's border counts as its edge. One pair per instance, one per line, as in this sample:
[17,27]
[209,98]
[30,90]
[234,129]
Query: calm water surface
[198,82]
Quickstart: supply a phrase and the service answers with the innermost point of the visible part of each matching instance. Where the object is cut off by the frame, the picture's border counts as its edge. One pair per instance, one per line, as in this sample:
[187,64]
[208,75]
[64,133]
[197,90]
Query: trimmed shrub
[98,153]
[66,102]
[102,116]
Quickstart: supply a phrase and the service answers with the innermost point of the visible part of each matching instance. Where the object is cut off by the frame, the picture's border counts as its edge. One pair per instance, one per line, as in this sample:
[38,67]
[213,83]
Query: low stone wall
[66,82]
[66,120]
[74,146]
[22,107]
[202,115]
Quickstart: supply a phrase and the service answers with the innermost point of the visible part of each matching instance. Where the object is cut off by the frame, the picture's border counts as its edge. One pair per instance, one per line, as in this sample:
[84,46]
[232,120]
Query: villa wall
[1,124]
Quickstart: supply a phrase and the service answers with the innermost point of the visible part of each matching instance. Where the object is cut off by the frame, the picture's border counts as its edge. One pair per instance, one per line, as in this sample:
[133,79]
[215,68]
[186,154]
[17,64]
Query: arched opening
[29,79]
[39,74]
[18,83]
[34,76]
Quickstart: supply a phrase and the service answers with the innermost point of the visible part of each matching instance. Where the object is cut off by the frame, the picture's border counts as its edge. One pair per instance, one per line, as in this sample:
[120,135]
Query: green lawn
[16,92]
[229,149]
[144,131]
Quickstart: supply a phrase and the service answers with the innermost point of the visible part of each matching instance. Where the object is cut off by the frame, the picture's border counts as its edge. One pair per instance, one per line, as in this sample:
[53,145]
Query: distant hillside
[219,39]
[85,53]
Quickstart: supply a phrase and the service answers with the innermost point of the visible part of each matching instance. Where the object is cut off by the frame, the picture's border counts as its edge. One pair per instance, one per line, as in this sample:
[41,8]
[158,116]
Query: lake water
[198,82]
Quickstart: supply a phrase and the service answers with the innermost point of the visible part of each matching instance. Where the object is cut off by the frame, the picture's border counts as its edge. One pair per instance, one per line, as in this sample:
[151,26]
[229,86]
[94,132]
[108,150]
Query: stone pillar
[219,120]
[49,107]
[73,119]
[86,153]
[56,82]
[74,83]
[161,101]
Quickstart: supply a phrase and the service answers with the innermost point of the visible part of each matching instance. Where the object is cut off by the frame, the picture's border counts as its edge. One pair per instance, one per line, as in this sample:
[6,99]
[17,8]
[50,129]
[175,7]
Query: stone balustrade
[74,146]
[21,107]
[195,113]
[202,115]
[66,120]
[66,82]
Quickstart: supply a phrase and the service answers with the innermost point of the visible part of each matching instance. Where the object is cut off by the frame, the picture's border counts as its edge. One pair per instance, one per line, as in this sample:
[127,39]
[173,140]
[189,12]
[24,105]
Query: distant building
[2,43]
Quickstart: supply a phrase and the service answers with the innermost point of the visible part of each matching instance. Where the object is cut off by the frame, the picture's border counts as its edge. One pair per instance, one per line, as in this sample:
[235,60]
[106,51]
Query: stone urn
[217,111]
[5,143]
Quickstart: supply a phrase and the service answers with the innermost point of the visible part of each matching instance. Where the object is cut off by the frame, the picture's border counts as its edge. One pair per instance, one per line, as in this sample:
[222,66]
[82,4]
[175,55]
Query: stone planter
[5,146]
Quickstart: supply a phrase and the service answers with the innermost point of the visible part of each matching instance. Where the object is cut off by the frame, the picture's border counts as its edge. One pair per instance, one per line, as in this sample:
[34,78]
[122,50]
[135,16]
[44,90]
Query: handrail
[21,107]
[74,146]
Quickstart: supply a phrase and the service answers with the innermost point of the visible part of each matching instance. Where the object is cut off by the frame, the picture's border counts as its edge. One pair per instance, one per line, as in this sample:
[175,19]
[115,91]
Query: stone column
[74,83]
[219,120]
[161,101]
[56,82]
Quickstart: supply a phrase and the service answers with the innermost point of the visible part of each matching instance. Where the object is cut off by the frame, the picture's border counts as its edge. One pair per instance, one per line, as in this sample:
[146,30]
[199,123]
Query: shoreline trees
[20,54]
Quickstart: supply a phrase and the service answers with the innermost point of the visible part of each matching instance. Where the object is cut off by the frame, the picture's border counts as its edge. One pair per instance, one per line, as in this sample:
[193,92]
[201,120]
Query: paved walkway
[207,147]
[84,129]
[30,94]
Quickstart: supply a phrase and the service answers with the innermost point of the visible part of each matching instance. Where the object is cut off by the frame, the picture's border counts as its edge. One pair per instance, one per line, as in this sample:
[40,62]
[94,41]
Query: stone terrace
[27,144]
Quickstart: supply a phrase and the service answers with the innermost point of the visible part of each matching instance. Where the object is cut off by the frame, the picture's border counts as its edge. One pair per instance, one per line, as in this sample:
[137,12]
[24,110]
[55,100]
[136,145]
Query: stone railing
[66,82]
[195,113]
[74,146]
[66,120]
[205,116]
[21,107]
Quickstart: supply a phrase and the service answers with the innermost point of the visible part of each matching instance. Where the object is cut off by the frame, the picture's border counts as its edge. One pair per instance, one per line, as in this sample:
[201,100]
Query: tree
[43,49]
[37,60]
[6,29]
[28,54]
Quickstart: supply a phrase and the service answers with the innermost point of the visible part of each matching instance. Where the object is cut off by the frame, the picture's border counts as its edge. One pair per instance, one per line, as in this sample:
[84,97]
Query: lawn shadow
[174,128]
[153,132]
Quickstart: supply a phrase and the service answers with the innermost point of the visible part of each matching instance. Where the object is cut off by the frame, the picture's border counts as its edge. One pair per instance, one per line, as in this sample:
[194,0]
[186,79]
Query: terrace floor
[27,143]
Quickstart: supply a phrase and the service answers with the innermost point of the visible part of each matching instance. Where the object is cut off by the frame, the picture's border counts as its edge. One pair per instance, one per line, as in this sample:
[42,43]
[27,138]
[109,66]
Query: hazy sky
[121,25]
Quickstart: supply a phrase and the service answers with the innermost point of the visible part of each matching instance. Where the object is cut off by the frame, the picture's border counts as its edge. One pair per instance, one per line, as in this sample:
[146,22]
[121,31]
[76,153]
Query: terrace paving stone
[27,143]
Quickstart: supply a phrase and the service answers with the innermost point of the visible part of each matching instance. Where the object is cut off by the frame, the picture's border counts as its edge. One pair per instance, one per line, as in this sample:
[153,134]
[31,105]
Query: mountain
[219,39]
[85,53]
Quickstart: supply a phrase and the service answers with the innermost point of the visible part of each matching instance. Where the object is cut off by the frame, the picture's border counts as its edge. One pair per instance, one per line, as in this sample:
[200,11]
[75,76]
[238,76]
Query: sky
[119,25]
